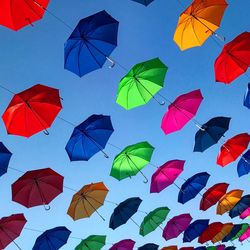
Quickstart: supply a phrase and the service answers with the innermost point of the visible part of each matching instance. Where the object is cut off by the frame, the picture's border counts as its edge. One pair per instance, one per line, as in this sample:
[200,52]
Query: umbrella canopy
[165,175]
[226,229]
[240,206]
[123,245]
[246,101]
[32,110]
[237,229]
[90,44]
[52,239]
[234,59]
[232,149]
[11,228]
[245,235]
[170,248]
[210,232]
[144,2]
[87,200]
[124,211]
[243,166]
[37,187]
[181,111]
[5,156]
[192,186]
[149,246]
[153,220]
[199,21]
[213,195]
[141,83]
[200,248]
[176,226]
[243,229]
[186,248]
[210,133]
[131,160]
[96,242]
[245,213]
[230,248]
[90,137]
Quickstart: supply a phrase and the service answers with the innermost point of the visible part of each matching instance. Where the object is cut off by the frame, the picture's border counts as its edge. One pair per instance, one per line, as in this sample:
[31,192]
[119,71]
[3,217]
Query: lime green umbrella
[141,83]
[93,242]
[242,231]
[153,220]
[131,160]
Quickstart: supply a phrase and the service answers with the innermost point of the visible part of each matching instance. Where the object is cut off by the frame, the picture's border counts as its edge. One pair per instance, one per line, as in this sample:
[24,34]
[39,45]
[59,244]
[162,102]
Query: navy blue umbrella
[210,133]
[124,211]
[243,166]
[194,230]
[192,187]
[91,43]
[144,2]
[200,248]
[90,137]
[235,230]
[5,156]
[247,97]
[149,246]
[240,206]
[52,239]
[230,248]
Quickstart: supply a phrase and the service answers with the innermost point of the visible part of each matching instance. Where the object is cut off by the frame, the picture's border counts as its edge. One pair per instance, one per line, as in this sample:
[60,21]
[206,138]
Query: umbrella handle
[105,155]
[46,132]
[46,207]
[111,61]
[221,38]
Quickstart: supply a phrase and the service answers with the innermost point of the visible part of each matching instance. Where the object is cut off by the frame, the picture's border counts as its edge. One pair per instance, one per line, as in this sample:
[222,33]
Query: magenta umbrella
[181,111]
[245,213]
[176,226]
[165,175]
[245,235]
[123,245]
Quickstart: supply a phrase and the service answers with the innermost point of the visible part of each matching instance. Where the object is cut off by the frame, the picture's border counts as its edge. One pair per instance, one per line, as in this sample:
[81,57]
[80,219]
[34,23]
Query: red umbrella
[232,149]
[32,110]
[19,13]
[213,195]
[234,59]
[37,187]
[210,232]
[10,228]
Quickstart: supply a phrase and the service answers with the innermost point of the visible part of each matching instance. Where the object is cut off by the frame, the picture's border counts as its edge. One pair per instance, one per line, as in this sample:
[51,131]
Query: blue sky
[35,55]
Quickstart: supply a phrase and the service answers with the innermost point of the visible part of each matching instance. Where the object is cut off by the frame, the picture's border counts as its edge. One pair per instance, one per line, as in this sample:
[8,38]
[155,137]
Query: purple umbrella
[176,226]
[123,245]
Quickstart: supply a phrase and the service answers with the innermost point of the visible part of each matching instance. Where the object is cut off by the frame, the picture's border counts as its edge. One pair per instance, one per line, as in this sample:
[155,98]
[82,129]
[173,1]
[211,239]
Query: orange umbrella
[199,21]
[226,229]
[87,200]
[170,248]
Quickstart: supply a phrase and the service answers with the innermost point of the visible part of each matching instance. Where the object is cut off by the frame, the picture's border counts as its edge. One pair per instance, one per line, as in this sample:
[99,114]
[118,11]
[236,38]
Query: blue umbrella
[91,43]
[192,187]
[243,166]
[235,230]
[247,97]
[52,239]
[144,2]
[149,246]
[230,248]
[210,133]
[200,248]
[5,156]
[124,211]
[90,137]
[194,230]
[240,206]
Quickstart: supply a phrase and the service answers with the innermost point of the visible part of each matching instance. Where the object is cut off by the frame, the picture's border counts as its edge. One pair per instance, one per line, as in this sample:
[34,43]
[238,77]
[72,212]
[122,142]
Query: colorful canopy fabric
[240,206]
[210,232]
[96,242]
[246,101]
[243,229]
[144,2]
[37,187]
[165,175]
[235,230]
[210,133]
[170,248]
[32,110]
[226,229]
[181,111]
[234,59]
[245,235]
[141,83]
[186,248]
[243,166]
[124,211]
[230,248]
[5,156]
[192,186]
[123,245]
[87,200]
[153,220]
[90,44]
[245,213]
[90,137]
[149,246]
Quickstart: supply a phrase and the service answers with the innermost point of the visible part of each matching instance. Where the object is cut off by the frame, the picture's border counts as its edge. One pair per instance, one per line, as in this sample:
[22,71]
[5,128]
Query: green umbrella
[242,231]
[153,220]
[131,160]
[93,242]
[141,83]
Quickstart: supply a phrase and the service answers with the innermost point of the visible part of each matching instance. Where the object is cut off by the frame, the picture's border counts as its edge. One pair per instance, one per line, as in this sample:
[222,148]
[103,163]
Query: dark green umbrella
[93,242]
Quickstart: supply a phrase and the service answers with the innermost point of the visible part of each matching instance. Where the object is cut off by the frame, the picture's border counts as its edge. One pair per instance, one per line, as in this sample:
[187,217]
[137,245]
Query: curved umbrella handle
[46,132]
[221,38]
[46,207]
[111,61]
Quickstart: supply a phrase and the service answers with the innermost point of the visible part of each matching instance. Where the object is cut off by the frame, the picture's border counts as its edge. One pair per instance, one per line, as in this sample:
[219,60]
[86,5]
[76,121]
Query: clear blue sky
[35,55]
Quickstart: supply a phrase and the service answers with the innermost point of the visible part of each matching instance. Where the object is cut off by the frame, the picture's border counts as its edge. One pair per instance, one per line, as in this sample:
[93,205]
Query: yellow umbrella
[199,21]
[226,229]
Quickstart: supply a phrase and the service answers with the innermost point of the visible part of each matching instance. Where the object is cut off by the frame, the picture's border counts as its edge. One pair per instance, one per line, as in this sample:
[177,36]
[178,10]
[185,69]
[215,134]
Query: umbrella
[176,226]
[149,246]
[245,235]
[11,227]
[200,248]
[199,21]
[232,149]
[144,2]
[246,101]
[194,230]
[90,137]
[170,248]
[186,248]
[95,242]
[243,229]
[153,220]
[181,111]
[141,83]
[192,186]
[37,187]
[213,195]
[131,160]
[234,59]
[210,133]
[124,211]
[52,239]
[210,232]
[123,245]
[228,201]
[91,43]
[226,229]
[165,175]
[32,110]
[5,156]
[245,213]
[240,206]
[243,166]
[87,200]
[230,248]
[235,230]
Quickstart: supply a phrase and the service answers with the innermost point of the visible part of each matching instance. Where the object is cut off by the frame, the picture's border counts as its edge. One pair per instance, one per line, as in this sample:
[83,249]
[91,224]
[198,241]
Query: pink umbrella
[123,245]
[181,111]
[165,175]
[245,235]
[245,213]
[176,226]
